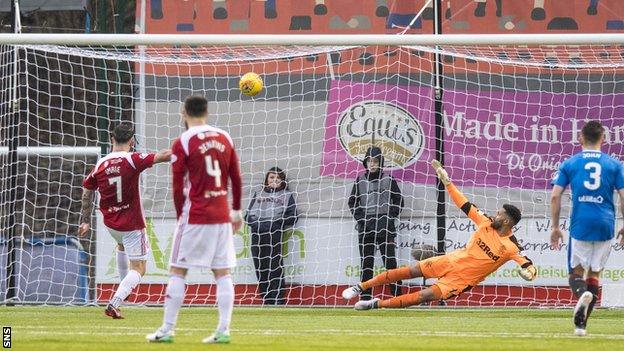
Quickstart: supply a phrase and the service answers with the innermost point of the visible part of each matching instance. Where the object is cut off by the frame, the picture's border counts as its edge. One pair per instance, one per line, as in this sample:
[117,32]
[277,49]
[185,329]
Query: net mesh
[510,115]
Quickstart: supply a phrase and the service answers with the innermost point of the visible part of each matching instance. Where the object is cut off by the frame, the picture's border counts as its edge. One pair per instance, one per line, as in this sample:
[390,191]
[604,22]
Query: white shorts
[591,255]
[135,243]
[203,246]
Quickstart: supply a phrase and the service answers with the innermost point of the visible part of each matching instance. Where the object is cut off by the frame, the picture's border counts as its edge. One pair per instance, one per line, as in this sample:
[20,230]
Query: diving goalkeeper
[490,247]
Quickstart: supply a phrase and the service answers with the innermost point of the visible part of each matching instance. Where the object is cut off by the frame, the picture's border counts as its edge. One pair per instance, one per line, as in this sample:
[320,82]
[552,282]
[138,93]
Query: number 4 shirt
[592,176]
[203,162]
[116,177]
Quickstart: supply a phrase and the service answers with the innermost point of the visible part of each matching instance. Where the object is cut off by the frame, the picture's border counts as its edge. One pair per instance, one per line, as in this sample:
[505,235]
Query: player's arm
[528,270]
[619,185]
[556,237]
[145,161]
[177,180]
[178,172]
[559,182]
[85,212]
[459,199]
[163,156]
[621,231]
[89,185]
[236,215]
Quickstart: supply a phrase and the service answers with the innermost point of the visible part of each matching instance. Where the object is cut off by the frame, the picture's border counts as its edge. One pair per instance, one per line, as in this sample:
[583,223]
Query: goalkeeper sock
[401,301]
[122,264]
[225,302]
[173,301]
[132,279]
[577,284]
[593,286]
[411,299]
[387,277]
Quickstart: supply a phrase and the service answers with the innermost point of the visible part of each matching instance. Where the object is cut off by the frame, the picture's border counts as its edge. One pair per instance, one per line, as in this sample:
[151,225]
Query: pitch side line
[277,332]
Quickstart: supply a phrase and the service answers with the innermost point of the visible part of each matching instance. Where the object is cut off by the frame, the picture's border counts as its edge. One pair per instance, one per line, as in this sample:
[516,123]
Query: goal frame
[142,40]
[311,39]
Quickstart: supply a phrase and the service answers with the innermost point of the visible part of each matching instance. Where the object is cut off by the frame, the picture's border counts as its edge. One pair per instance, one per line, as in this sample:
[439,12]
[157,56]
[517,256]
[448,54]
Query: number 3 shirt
[592,176]
[116,177]
[203,162]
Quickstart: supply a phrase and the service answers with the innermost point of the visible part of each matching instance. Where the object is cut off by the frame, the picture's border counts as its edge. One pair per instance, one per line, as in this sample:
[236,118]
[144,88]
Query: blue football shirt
[592,176]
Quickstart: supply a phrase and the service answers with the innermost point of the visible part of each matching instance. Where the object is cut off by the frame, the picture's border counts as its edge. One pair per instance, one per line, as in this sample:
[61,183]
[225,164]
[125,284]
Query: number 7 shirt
[592,176]
[116,177]
[203,162]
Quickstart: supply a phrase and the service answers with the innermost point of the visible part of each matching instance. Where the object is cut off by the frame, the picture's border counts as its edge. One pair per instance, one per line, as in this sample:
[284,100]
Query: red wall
[364,16]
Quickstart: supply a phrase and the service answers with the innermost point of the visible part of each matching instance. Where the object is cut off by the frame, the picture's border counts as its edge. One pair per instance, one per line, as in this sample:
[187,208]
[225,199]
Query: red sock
[593,286]
[387,277]
[592,281]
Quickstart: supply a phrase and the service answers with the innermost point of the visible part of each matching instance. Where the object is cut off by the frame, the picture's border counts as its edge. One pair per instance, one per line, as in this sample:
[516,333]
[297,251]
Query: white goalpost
[311,40]
[509,113]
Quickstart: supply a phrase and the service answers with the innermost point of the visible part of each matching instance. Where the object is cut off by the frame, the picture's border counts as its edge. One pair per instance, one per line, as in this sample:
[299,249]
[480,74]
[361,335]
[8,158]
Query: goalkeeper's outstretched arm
[459,199]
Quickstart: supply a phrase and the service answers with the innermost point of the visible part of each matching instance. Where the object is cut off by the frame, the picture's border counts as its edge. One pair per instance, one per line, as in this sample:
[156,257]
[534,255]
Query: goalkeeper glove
[441,172]
[529,273]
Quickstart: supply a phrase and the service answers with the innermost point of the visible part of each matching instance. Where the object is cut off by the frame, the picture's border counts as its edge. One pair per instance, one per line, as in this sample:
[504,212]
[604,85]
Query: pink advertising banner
[519,139]
[491,139]
[398,119]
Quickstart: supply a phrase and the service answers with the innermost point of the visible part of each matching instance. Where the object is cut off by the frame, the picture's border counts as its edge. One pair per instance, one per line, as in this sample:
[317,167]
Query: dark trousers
[266,250]
[368,241]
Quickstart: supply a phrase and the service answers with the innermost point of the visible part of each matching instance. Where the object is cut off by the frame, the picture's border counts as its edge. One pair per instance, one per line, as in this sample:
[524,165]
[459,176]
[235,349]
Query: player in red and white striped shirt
[203,163]
[116,177]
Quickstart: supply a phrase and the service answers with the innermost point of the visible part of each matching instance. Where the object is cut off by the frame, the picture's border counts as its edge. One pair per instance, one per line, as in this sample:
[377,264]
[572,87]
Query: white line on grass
[121,331]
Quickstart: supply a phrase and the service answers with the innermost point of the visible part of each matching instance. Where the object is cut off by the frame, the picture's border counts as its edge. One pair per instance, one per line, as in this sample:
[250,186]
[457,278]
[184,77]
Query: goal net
[509,116]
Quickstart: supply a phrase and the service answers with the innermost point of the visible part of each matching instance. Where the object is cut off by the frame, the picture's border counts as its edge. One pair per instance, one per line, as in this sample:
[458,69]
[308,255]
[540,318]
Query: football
[250,84]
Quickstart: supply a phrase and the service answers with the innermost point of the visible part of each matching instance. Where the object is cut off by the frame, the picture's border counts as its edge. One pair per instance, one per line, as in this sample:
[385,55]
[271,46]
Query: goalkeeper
[490,247]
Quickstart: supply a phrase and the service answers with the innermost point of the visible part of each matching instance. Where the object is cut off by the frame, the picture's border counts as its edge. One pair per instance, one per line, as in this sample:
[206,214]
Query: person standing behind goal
[203,161]
[116,177]
[376,203]
[271,211]
[592,176]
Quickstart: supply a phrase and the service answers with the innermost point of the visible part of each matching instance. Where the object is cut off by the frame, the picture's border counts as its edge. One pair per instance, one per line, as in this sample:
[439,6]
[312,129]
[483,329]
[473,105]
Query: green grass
[86,328]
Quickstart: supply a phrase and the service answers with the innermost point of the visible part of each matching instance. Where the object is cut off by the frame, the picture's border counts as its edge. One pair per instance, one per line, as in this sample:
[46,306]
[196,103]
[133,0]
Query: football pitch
[86,328]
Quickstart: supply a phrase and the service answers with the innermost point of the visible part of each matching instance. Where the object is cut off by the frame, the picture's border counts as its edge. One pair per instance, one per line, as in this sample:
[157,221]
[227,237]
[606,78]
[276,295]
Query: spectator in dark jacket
[376,203]
[272,210]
